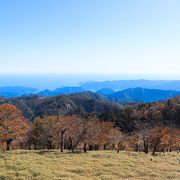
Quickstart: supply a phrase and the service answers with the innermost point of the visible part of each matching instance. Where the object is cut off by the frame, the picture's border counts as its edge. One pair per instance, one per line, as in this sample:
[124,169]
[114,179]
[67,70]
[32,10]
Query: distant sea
[52,81]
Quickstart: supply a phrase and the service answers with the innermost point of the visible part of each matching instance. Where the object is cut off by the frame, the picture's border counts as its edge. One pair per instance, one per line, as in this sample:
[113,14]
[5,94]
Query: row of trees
[159,138]
[70,132]
[74,132]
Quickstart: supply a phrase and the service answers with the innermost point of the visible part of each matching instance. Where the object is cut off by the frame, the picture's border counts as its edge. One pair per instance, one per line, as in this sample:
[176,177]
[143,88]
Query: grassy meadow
[48,165]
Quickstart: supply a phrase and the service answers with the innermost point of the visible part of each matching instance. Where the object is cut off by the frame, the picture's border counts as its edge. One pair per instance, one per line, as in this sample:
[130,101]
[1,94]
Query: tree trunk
[146,150]
[146,146]
[137,147]
[155,146]
[84,148]
[72,148]
[62,146]
[154,150]
[71,145]
[118,149]
[62,140]
[49,144]
[35,146]
[9,144]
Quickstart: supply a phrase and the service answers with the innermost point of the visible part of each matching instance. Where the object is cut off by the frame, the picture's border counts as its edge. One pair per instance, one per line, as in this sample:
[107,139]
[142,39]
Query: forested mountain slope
[127,117]
[135,95]
[78,103]
[149,114]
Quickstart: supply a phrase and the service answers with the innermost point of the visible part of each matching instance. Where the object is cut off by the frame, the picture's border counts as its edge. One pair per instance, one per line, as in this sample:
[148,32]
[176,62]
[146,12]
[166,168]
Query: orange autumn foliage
[13,126]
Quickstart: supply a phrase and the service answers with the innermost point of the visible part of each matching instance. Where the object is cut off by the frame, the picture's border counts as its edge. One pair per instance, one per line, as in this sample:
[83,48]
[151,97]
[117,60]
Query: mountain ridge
[78,103]
[125,84]
[136,95]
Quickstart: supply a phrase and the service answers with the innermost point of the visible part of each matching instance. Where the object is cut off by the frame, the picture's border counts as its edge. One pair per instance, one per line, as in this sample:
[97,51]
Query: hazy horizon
[52,81]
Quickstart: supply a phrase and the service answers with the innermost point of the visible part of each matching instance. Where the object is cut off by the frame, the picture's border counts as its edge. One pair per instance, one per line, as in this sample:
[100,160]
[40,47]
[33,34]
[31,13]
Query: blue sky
[90,36]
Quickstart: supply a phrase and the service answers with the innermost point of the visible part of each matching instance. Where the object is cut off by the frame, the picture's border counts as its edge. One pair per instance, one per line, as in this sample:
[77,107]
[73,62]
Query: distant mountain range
[59,91]
[131,95]
[134,95]
[15,91]
[105,91]
[126,84]
[115,91]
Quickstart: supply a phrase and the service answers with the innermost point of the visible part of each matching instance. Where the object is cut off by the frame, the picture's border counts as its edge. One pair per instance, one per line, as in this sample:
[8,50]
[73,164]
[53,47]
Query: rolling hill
[127,117]
[59,91]
[105,91]
[135,95]
[134,117]
[78,103]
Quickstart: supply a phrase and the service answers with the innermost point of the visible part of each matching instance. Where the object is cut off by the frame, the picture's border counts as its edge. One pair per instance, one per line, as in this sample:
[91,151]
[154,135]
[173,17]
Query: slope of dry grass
[48,165]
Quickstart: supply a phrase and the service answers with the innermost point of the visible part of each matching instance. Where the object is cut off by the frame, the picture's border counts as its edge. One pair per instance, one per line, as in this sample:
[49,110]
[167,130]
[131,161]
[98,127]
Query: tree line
[81,133]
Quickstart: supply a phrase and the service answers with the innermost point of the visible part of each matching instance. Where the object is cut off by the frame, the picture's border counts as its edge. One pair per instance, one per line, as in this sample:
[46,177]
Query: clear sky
[90,36]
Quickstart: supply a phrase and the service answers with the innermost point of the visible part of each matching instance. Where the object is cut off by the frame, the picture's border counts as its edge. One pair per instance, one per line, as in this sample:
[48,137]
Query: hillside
[127,117]
[136,116]
[134,95]
[105,91]
[78,103]
[59,91]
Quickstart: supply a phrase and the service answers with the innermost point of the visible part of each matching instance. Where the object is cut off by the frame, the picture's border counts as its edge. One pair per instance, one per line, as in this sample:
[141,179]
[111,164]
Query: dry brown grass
[48,165]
